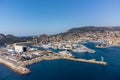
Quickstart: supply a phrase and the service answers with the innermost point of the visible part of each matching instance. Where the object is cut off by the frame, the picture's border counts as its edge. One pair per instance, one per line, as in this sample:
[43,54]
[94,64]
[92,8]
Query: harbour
[59,39]
[79,68]
[20,67]
[18,56]
[14,67]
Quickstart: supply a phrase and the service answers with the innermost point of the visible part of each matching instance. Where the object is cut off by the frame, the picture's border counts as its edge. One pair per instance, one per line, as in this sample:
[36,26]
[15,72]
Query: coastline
[112,45]
[14,67]
[21,66]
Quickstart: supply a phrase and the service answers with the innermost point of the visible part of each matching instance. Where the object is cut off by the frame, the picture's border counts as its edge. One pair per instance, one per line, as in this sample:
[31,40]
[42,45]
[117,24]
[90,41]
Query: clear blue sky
[33,17]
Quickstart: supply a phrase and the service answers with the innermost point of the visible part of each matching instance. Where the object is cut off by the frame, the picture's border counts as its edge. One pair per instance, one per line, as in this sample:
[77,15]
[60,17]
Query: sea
[71,70]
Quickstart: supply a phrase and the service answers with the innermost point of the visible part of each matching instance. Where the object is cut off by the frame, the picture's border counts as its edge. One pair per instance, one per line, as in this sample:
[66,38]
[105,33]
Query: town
[17,56]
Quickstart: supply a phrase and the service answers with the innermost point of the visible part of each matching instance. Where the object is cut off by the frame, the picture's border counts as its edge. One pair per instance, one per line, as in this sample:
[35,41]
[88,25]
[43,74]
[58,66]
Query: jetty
[21,66]
[17,68]
[93,61]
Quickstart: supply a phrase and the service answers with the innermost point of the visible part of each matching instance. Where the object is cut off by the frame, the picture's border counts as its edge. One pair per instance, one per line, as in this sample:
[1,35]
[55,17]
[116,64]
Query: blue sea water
[71,70]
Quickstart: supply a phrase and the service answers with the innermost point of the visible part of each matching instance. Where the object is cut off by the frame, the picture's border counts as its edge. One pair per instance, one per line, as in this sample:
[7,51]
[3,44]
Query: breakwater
[20,67]
[17,68]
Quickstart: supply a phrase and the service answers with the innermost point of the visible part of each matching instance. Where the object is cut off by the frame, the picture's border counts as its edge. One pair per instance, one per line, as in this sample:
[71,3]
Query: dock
[20,67]
[87,61]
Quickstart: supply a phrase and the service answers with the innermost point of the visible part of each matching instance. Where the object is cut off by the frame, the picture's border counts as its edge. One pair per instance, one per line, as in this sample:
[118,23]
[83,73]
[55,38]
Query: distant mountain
[2,39]
[94,29]
[70,34]
[12,39]
[82,31]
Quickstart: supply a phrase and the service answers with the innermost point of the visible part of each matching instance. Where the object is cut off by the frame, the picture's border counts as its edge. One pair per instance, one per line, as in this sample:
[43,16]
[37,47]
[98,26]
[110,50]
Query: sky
[35,17]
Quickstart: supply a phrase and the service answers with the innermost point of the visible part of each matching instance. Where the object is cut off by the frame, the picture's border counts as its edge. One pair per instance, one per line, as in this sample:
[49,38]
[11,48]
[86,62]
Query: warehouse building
[22,46]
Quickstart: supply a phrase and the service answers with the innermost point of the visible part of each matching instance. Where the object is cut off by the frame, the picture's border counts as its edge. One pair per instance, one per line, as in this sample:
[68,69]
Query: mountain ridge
[69,34]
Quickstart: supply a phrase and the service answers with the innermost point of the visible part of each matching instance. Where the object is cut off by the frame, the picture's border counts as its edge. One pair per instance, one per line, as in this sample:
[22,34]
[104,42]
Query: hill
[12,39]
[94,29]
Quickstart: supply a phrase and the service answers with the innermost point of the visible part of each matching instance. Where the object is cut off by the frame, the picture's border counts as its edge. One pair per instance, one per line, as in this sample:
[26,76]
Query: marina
[19,55]
[47,69]
[60,39]
[20,67]
[14,67]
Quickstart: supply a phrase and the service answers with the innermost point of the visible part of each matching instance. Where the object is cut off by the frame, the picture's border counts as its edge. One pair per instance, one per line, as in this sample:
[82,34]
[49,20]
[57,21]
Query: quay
[20,67]
[87,61]
[14,67]
[30,62]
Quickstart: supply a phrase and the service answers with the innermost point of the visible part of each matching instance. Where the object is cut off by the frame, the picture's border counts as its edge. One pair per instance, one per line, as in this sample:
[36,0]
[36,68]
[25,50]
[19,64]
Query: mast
[102,58]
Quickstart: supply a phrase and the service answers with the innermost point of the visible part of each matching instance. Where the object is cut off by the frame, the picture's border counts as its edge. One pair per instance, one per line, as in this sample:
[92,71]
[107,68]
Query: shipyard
[18,56]
[60,39]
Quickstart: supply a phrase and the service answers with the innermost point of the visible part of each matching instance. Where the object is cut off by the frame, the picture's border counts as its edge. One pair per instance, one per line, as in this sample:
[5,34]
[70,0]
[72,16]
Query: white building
[20,48]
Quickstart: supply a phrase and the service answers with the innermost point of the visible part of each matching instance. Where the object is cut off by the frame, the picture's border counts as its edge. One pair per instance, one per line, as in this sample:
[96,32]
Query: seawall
[21,67]
[14,67]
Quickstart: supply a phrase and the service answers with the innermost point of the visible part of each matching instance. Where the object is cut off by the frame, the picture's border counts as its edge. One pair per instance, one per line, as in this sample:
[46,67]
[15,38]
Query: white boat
[33,49]
[100,46]
[83,48]
[65,53]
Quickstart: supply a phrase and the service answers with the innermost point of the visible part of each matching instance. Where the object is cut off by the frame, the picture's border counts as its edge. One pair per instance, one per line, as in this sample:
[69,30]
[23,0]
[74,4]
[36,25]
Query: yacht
[83,48]
[65,53]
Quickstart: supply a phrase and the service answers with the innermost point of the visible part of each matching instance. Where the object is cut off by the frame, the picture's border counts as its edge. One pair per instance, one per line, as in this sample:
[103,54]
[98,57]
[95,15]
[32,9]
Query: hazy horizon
[34,17]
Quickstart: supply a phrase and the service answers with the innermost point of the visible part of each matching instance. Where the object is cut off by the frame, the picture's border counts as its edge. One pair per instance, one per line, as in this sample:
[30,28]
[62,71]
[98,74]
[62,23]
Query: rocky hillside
[76,33]
[11,39]
[94,29]
[2,39]
[70,34]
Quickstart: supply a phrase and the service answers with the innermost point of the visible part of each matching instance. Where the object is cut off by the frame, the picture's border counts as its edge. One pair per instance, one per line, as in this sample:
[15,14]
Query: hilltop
[94,29]
[70,34]
[11,38]
[74,33]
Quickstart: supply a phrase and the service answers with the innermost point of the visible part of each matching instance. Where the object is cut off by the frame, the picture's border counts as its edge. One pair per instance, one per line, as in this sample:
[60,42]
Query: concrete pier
[20,67]
[87,61]
[14,67]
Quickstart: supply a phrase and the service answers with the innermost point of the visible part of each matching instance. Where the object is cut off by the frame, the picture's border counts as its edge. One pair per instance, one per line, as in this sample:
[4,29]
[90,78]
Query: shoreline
[16,68]
[22,69]
[115,45]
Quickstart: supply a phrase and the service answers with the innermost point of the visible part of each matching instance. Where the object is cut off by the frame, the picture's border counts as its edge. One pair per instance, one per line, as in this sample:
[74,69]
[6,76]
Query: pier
[20,67]
[14,67]
[87,61]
